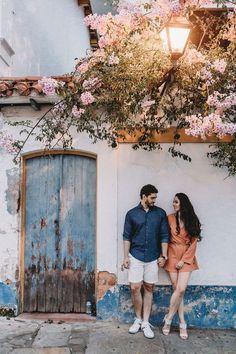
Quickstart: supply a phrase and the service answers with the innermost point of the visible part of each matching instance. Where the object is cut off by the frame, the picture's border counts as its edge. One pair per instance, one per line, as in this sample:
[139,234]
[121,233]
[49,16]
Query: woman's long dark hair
[188,216]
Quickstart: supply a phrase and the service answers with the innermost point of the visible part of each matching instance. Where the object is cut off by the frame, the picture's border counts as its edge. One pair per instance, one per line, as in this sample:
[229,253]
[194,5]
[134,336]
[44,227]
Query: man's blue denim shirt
[146,231]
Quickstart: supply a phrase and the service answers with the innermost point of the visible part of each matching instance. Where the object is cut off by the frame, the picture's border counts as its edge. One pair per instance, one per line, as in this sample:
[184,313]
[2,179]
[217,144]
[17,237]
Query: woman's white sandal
[166,327]
[183,331]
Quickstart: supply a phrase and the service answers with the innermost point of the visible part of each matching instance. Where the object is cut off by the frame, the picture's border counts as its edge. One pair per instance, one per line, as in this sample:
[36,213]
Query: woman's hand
[179,265]
[125,264]
[161,261]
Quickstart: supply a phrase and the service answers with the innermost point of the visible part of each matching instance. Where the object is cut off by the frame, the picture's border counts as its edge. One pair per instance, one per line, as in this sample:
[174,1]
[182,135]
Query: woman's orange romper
[180,249]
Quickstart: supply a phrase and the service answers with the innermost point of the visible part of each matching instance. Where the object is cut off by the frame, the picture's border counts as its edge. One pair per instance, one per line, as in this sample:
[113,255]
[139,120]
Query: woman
[185,230]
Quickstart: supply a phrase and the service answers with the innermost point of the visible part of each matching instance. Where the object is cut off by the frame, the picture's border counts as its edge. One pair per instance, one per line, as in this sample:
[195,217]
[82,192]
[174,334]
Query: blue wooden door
[59,247]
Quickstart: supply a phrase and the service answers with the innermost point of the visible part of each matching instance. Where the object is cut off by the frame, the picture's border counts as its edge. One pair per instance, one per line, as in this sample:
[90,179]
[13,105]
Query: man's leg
[147,305]
[135,280]
[137,302]
[150,277]
[147,300]
[137,298]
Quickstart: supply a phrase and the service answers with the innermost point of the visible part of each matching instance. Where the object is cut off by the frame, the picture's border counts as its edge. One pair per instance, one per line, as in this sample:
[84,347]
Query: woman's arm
[190,252]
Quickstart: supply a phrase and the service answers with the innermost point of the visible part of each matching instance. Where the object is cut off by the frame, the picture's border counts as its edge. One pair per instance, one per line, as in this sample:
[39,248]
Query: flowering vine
[129,83]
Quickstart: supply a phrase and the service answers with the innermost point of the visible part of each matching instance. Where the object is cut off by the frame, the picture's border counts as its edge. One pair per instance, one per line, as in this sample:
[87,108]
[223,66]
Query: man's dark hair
[147,190]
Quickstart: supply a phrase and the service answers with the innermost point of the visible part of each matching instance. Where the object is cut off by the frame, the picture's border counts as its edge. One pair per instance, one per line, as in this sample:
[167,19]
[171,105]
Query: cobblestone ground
[47,337]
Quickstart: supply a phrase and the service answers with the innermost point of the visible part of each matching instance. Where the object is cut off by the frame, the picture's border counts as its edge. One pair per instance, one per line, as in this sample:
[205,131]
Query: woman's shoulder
[171,218]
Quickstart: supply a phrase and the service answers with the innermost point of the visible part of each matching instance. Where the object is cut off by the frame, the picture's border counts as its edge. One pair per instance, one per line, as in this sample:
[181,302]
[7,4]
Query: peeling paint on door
[60,233]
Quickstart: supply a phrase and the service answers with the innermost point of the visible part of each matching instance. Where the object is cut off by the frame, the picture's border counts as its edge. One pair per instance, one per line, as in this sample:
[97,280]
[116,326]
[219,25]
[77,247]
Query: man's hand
[161,261]
[179,265]
[125,264]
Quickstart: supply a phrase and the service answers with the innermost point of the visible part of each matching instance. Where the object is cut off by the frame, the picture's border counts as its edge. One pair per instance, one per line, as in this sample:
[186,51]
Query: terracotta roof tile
[6,88]
[26,86]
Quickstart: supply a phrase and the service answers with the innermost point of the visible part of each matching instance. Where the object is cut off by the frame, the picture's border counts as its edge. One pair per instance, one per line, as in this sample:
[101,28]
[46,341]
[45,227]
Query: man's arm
[162,259]
[126,245]
[164,248]
[164,241]
[127,241]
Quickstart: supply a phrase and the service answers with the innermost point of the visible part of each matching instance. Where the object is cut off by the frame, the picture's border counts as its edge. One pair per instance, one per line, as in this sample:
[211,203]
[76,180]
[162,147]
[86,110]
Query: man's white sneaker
[147,331]
[135,326]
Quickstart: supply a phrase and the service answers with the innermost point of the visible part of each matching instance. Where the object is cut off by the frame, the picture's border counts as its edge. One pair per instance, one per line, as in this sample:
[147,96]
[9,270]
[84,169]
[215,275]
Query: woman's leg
[181,311]
[174,279]
[167,324]
[176,300]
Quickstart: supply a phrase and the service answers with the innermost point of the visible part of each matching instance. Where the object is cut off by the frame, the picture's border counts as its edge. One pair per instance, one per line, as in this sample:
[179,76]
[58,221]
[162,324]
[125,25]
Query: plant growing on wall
[130,83]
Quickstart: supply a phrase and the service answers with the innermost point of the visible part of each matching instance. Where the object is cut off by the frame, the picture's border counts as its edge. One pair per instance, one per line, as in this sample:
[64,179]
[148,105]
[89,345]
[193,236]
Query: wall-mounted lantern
[175,36]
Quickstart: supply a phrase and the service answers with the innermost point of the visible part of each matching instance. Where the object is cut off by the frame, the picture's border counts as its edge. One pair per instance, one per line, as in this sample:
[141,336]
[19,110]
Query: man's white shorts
[142,271]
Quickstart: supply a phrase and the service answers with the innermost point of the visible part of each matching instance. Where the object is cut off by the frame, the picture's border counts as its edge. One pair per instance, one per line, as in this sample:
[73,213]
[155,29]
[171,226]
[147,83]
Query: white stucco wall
[9,234]
[121,172]
[46,36]
[213,197]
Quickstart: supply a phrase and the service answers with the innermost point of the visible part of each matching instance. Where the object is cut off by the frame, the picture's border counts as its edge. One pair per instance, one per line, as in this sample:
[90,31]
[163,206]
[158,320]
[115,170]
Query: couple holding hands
[152,240]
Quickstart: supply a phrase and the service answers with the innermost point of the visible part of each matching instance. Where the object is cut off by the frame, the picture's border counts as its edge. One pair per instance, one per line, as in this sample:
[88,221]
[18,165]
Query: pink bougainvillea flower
[77,113]
[113,59]
[193,56]
[87,98]
[208,125]
[49,85]
[219,65]
[91,84]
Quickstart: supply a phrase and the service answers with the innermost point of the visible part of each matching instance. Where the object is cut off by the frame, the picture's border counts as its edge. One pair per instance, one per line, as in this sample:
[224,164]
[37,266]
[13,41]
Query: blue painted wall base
[8,296]
[205,306]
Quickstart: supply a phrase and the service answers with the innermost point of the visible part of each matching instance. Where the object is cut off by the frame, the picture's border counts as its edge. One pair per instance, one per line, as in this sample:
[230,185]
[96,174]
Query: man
[146,236]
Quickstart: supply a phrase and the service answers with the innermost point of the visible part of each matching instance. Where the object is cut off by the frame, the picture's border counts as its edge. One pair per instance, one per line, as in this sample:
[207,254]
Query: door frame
[24,157]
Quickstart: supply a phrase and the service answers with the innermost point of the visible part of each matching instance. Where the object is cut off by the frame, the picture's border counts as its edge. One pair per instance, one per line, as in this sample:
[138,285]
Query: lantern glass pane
[164,39]
[178,38]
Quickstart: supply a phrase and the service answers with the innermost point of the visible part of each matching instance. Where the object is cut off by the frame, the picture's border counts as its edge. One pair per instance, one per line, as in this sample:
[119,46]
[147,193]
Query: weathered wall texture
[38,32]
[205,306]
[120,174]
[9,231]
[46,36]
[105,281]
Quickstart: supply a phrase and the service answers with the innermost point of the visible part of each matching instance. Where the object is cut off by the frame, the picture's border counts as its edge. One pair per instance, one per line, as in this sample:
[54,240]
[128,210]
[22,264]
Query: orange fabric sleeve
[190,252]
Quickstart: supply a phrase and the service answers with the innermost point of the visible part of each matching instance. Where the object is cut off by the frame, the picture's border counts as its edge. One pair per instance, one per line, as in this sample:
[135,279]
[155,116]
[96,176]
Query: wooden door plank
[41,186]
[51,251]
[60,233]
[77,220]
[67,199]
[32,234]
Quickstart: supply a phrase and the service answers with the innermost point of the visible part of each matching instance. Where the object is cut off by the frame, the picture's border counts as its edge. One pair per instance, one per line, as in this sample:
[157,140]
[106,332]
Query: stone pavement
[27,336]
